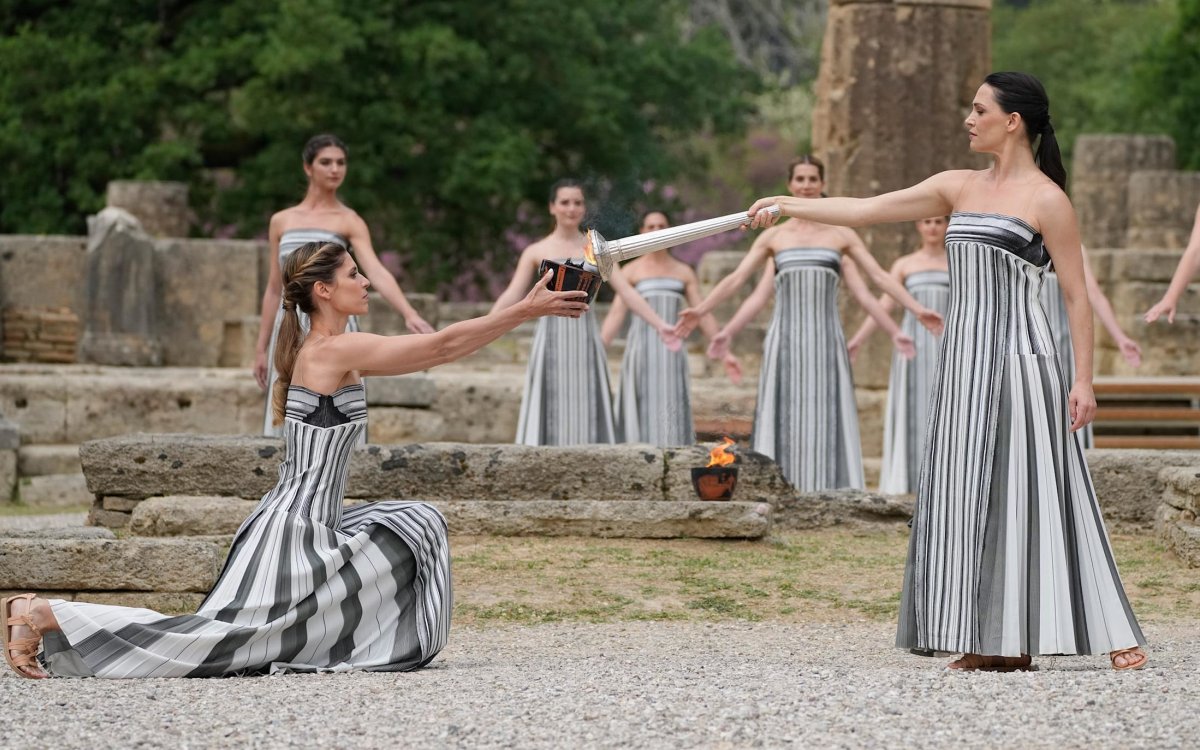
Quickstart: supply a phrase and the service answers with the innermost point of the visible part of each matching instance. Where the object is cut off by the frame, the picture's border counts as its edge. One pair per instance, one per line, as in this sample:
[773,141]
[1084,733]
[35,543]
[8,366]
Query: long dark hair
[566,182]
[1025,95]
[304,266]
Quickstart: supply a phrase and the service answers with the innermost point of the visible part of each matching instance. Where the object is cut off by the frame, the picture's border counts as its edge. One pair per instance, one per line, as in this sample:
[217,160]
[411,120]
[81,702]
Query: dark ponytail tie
[1048,128]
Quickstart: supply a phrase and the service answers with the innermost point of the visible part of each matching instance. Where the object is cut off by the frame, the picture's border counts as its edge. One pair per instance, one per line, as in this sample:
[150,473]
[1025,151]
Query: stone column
[121,322]
[896,81]
[1162,209]
[161,207]
[1100,171]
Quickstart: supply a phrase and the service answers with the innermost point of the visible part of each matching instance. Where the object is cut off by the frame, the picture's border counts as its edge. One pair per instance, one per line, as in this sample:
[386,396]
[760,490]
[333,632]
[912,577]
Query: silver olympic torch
[605,254]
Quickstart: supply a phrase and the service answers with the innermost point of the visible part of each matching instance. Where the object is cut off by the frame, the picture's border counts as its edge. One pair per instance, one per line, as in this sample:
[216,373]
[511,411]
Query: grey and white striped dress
[909,385]
[288,242]
[806,418]
[654,402]
[1056,311]
[1008,553]
[307,586]
[566,400]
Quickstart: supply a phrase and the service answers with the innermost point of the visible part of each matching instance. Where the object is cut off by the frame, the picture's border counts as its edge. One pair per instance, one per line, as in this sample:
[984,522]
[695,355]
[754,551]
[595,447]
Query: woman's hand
[1163,307]
[540,301]
[417,324]
[669,339]
[760,218]
[718,346]
[852,347]
[1082,403]
[904,344]
[932,320]
[1130,351]
[733,368]
[260,369]
[688,319]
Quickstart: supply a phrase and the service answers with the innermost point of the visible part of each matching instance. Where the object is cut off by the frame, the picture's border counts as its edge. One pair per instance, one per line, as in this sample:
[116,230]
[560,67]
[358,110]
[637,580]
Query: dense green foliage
[1108,65]
[457,114]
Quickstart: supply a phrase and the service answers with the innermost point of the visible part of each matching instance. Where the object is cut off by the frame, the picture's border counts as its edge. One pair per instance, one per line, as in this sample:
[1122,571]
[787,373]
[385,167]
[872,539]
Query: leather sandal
[1135,664]
[21,653]
[981,663]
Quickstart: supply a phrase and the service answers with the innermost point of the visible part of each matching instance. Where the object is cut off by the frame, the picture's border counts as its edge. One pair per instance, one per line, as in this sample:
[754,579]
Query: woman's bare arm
[381,278]
[1188,269]
[1104,311]
[758,254]
[933,197]
[613,321]
[522,278]
[271,302]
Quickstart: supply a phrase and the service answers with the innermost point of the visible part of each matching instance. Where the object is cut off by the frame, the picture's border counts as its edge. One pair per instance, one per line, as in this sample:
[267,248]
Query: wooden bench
[1154,412]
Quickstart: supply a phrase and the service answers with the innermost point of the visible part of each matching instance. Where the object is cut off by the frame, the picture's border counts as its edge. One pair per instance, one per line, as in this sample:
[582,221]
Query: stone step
[1182,487]
[54,491]
[212,516]
[1176,519]
[134,564]
[39,460]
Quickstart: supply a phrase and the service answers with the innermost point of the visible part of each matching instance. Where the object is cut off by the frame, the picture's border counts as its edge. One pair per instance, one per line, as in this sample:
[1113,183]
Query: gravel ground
[721,685]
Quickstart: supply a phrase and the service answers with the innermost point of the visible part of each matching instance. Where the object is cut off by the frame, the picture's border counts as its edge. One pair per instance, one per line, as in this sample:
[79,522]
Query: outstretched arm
[858,251]
[382,279]
[371,354]
[1189,267]
[712,330]
[869,325]
[718,346]
[272,299]
[1104,311]
[1060,231]
[933,197]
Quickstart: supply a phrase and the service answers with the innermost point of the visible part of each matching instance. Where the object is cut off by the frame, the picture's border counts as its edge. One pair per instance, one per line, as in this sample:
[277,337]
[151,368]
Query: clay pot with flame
[716,480]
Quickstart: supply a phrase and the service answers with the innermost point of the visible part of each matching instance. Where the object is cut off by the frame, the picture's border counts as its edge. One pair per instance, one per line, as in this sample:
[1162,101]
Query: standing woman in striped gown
[320,217]
[308,585]
[1056,311]
[806,418]
[1008,555]
[653,401]
[926,276]
[567,400]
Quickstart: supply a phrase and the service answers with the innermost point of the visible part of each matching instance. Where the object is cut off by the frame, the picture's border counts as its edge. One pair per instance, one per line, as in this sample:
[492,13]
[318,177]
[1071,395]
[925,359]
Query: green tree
[1172,82]
[457,114]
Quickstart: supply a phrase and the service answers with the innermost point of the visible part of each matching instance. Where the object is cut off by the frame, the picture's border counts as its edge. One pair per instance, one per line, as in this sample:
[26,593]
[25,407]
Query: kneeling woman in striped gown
[307,585]
[1008,556]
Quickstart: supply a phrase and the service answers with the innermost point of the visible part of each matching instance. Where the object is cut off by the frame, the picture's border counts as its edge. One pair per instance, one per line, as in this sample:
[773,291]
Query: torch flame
[589,253]
[719,456]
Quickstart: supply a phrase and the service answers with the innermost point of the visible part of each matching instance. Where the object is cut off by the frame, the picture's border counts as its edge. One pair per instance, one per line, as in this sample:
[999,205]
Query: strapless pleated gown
[1008,554]
[308,585]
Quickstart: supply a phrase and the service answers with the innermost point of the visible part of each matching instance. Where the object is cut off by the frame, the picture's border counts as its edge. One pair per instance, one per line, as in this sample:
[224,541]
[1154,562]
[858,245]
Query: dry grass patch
[831,575]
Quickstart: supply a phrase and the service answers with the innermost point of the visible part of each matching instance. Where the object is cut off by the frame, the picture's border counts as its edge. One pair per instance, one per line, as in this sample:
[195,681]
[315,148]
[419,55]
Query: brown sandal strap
[27,621]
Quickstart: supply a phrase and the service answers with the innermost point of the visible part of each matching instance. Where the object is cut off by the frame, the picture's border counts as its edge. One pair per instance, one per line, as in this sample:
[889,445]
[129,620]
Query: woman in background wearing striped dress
[925,275]
[653,401]
[566,400]
[308,585]
[1008,556]
[806,418]
[320,217]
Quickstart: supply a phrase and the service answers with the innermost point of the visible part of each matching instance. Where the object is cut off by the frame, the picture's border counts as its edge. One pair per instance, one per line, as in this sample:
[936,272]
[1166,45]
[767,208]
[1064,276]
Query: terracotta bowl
[714,482]
[571,275]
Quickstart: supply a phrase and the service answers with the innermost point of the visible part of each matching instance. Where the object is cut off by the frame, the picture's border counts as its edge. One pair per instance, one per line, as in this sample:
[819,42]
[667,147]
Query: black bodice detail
[326,414]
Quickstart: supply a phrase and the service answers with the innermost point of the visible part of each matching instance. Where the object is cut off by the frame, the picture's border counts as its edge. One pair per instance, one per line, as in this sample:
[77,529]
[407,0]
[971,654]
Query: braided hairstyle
[1025,95]
[304,267]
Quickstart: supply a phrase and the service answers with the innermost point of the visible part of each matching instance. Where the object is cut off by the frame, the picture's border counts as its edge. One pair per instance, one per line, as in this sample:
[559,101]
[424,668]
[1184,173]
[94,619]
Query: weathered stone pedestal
[121,322]
[161,207]
[1100,175]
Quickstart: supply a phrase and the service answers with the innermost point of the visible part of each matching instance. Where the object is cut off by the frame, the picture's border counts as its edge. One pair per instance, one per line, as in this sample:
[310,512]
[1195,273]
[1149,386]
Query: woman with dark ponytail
[1008,555]
[308,584]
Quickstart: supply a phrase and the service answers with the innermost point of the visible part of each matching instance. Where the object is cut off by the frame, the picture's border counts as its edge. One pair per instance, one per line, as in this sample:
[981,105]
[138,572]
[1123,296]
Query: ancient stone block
[1128,482]
[57,263]
[189,516]
[455,471]
[1162,208]
[34,460]
[478,407]
[414,390]
[1101,167]
[69,532]
[164,565]
[8,476]
[635,519]
[239,341]
[120,504]
[144,465]
[201,285]
[109,519]
[1181,488]
[161,207]
[37,404]
[55,491]
[394,425]
[1183,538]
[121,317]
[812,510]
